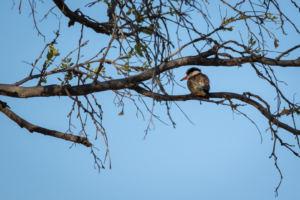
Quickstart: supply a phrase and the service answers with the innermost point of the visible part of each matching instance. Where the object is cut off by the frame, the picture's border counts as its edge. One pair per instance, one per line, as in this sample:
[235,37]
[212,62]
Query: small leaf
[145,47]
[124,57]
[130,52]
[49,55]
[285,112]
[230,28]
[158,26]
[171,11]
[138,50]
[51,47]
[151,27]
[136,14]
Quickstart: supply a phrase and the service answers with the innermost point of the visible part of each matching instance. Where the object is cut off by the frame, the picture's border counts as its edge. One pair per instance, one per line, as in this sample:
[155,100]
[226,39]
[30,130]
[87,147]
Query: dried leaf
[276,43]
[286,112]
[122,112]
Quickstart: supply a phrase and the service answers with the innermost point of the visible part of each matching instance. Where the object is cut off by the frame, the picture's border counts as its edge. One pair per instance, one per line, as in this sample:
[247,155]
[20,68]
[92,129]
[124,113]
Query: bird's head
[191,72]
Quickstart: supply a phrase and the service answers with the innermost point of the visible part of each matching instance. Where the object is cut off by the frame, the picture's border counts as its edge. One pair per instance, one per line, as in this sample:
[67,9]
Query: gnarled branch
[226,95]
[34,128]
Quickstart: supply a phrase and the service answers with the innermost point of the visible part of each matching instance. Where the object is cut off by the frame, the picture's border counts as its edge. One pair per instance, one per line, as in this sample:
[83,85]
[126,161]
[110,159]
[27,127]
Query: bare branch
[228,95]
[34,128]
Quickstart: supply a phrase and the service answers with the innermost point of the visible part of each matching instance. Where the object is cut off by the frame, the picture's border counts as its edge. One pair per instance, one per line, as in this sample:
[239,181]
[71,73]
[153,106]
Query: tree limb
[200,60]
[75,17]
[34,128]
[226,95]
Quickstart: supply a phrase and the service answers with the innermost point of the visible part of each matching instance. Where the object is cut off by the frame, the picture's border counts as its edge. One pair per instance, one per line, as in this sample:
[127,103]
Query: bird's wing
[202,82]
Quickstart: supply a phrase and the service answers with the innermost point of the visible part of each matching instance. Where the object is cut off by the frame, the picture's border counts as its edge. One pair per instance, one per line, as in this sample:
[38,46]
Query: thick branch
[74,16]
[200,60]
[34,128]
[226,95]
[248,59]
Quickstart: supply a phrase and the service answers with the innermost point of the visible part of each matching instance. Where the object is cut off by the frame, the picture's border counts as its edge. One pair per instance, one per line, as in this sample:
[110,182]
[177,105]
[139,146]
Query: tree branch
[200,60]
[75,17]
[226,95]
[34,128]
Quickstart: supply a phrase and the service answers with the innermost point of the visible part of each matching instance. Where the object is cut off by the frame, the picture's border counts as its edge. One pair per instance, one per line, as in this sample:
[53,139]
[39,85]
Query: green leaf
[171,13]
[56,52]
[230,28]
[136,15]
[151,27]
[225,20]
[51,47]
[144,48]
[125,57]
[158,26]
[135,25]
[49,55]
[147,32]
[130,52]
[138,50]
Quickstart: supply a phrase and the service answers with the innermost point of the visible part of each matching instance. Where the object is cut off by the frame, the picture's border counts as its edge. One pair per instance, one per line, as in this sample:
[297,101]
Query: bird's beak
[184,78]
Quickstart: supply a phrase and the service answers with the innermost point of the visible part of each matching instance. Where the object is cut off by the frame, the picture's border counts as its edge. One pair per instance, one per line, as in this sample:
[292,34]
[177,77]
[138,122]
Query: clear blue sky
[220,157]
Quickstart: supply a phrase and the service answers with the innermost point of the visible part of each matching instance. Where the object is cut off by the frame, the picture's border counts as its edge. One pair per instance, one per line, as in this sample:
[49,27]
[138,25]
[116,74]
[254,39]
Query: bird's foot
[204,97]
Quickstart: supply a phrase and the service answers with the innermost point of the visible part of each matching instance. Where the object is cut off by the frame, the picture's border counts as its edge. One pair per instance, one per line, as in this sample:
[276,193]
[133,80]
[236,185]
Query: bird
[197,83]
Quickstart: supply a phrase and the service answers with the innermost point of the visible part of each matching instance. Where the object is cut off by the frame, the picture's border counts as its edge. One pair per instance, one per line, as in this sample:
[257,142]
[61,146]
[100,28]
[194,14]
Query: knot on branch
[3,104]
[85,141]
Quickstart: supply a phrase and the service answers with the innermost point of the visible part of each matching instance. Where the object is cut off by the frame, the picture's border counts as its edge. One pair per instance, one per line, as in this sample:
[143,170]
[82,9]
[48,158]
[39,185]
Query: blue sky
[220,157]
